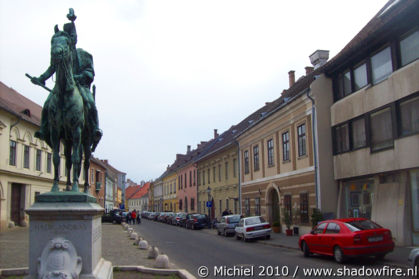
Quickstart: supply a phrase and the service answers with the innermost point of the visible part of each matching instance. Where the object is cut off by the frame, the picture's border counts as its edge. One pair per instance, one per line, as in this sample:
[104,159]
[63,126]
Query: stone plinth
[77,222]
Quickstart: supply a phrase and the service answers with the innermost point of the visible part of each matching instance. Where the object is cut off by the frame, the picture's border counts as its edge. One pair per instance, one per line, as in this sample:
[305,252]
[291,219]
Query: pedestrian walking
[138,218]
[134,216]
[129,217]
[225,212]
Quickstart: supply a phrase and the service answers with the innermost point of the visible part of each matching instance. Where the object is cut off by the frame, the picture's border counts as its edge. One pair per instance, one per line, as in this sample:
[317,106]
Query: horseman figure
[69,113]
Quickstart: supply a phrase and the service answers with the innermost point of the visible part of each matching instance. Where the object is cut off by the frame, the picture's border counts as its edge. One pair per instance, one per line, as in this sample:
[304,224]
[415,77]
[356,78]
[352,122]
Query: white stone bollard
[162,261]
[143,245]
[153,252]
[134,236]
[137,241]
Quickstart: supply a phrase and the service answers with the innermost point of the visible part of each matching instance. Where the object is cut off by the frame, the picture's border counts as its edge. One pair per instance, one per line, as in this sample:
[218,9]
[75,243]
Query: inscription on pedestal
[58,228]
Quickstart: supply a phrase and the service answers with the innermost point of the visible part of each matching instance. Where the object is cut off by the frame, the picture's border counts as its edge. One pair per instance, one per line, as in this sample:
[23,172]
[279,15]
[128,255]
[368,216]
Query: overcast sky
[169,72]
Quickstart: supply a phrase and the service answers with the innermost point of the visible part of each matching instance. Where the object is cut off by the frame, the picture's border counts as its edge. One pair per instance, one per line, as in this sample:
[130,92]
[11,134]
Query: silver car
[227,224]
[253,227]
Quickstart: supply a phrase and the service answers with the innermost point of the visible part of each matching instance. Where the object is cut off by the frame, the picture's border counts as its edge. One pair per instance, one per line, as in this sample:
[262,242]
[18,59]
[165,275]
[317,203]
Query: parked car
[168,218]
[113,216]
[351,237]
[161,216]
[152,215]
[414,258]
[253,227]
[196,221]
[177,217]
[227,224]
[182,220]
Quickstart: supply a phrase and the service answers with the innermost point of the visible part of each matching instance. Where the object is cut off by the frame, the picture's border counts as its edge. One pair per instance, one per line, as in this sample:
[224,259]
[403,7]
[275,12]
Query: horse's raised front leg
[76,158]
[55,142]
[68,159]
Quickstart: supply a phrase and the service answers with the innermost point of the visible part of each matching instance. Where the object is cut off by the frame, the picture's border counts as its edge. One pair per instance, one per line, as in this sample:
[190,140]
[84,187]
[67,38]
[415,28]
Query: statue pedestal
[73,222]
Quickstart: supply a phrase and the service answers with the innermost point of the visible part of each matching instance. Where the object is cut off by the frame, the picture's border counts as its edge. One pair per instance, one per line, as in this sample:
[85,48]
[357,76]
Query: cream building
[26,168]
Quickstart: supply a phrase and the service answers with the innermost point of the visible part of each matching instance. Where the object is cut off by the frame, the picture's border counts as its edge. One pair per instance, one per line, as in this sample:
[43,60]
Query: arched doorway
[272,206]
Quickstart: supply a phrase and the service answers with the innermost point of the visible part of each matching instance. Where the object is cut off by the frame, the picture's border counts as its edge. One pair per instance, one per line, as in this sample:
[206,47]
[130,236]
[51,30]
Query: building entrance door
[16,203]
[273,206]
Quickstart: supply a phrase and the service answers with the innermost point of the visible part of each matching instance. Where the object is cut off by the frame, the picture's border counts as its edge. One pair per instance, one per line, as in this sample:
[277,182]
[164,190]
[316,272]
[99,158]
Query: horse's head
[60,46]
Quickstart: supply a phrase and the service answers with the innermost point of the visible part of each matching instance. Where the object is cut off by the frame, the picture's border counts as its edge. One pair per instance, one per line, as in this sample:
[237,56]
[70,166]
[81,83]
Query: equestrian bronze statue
[69,114]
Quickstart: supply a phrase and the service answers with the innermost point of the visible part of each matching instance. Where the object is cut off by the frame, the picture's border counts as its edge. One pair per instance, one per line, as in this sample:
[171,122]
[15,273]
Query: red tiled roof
[131,190]
[19,105]
[141,191]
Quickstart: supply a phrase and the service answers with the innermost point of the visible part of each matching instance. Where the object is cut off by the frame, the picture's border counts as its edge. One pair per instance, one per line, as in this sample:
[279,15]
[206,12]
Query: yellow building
[26,168]
[218,177]
[169,180]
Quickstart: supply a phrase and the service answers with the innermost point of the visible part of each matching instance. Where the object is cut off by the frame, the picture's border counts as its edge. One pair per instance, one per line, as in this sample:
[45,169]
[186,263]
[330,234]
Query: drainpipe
[314,127]
[238,173]
[17,122]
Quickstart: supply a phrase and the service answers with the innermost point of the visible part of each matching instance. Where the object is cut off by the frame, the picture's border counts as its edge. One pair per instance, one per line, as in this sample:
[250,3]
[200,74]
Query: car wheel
[218,232]
[268,236]
[338,255]
[225,233]
[237,236]
[244,238]
[113,221]
[305,249]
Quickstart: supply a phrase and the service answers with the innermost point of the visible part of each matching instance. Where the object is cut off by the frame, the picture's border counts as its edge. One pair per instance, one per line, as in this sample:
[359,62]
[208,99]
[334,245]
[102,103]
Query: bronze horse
[67,116]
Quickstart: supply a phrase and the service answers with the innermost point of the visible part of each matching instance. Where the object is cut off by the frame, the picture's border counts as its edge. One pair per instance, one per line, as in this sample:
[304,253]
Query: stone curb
[18,271]
[182,273]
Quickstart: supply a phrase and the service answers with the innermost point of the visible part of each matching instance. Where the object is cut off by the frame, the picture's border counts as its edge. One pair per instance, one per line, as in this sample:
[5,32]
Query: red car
[343,238]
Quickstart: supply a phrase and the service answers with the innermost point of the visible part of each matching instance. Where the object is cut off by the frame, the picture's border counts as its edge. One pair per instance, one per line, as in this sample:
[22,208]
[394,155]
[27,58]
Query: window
[333,228]
[270,144]
[194,177]
[209,174]
[180,204]
[257,206]
[346,83]
[320,228]
[227,204]
[304,208]
[409,116]
[288,205]
[247,206]
[219,172]
[38,159]
[301,132]
[49,162]
[213,174]
[246,162]
[203,177]
[234,167]
[256,157]
[198,175]
[190,178]
[192,204]
[409,48]
[26,157]
[286,146]
[221,204]
[184,179]
[179,184]
[12,154]
[226,170]
[360,77]
[359,138]
[381,129]
[381,65]
[341,138]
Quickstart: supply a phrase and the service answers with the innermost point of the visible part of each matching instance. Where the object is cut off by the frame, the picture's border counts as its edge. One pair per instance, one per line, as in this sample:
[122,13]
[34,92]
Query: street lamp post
[209,212]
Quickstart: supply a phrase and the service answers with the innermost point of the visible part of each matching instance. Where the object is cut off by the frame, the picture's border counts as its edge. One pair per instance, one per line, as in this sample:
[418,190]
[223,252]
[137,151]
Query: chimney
[188,150]
[215,133]
[309,70]
[168,166]
[291,76]
[319,58]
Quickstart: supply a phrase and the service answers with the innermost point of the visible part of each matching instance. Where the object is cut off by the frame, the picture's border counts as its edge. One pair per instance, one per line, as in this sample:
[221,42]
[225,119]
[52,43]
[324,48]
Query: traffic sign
[209,203]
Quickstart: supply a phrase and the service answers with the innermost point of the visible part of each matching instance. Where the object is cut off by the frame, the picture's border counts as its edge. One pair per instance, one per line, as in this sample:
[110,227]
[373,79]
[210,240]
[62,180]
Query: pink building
[187,180]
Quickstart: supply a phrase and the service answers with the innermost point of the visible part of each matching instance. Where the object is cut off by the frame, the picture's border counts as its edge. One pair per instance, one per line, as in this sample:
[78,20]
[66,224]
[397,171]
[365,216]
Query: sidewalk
[116,247]
[396,258]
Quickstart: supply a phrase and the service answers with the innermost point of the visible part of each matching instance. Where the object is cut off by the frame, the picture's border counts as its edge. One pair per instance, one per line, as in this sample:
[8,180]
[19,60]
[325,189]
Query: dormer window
[26,112]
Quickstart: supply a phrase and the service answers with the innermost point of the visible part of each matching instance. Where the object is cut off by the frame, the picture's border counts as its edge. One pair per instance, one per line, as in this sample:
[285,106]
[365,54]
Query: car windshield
[254,221]
[234,219]
[361,225]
